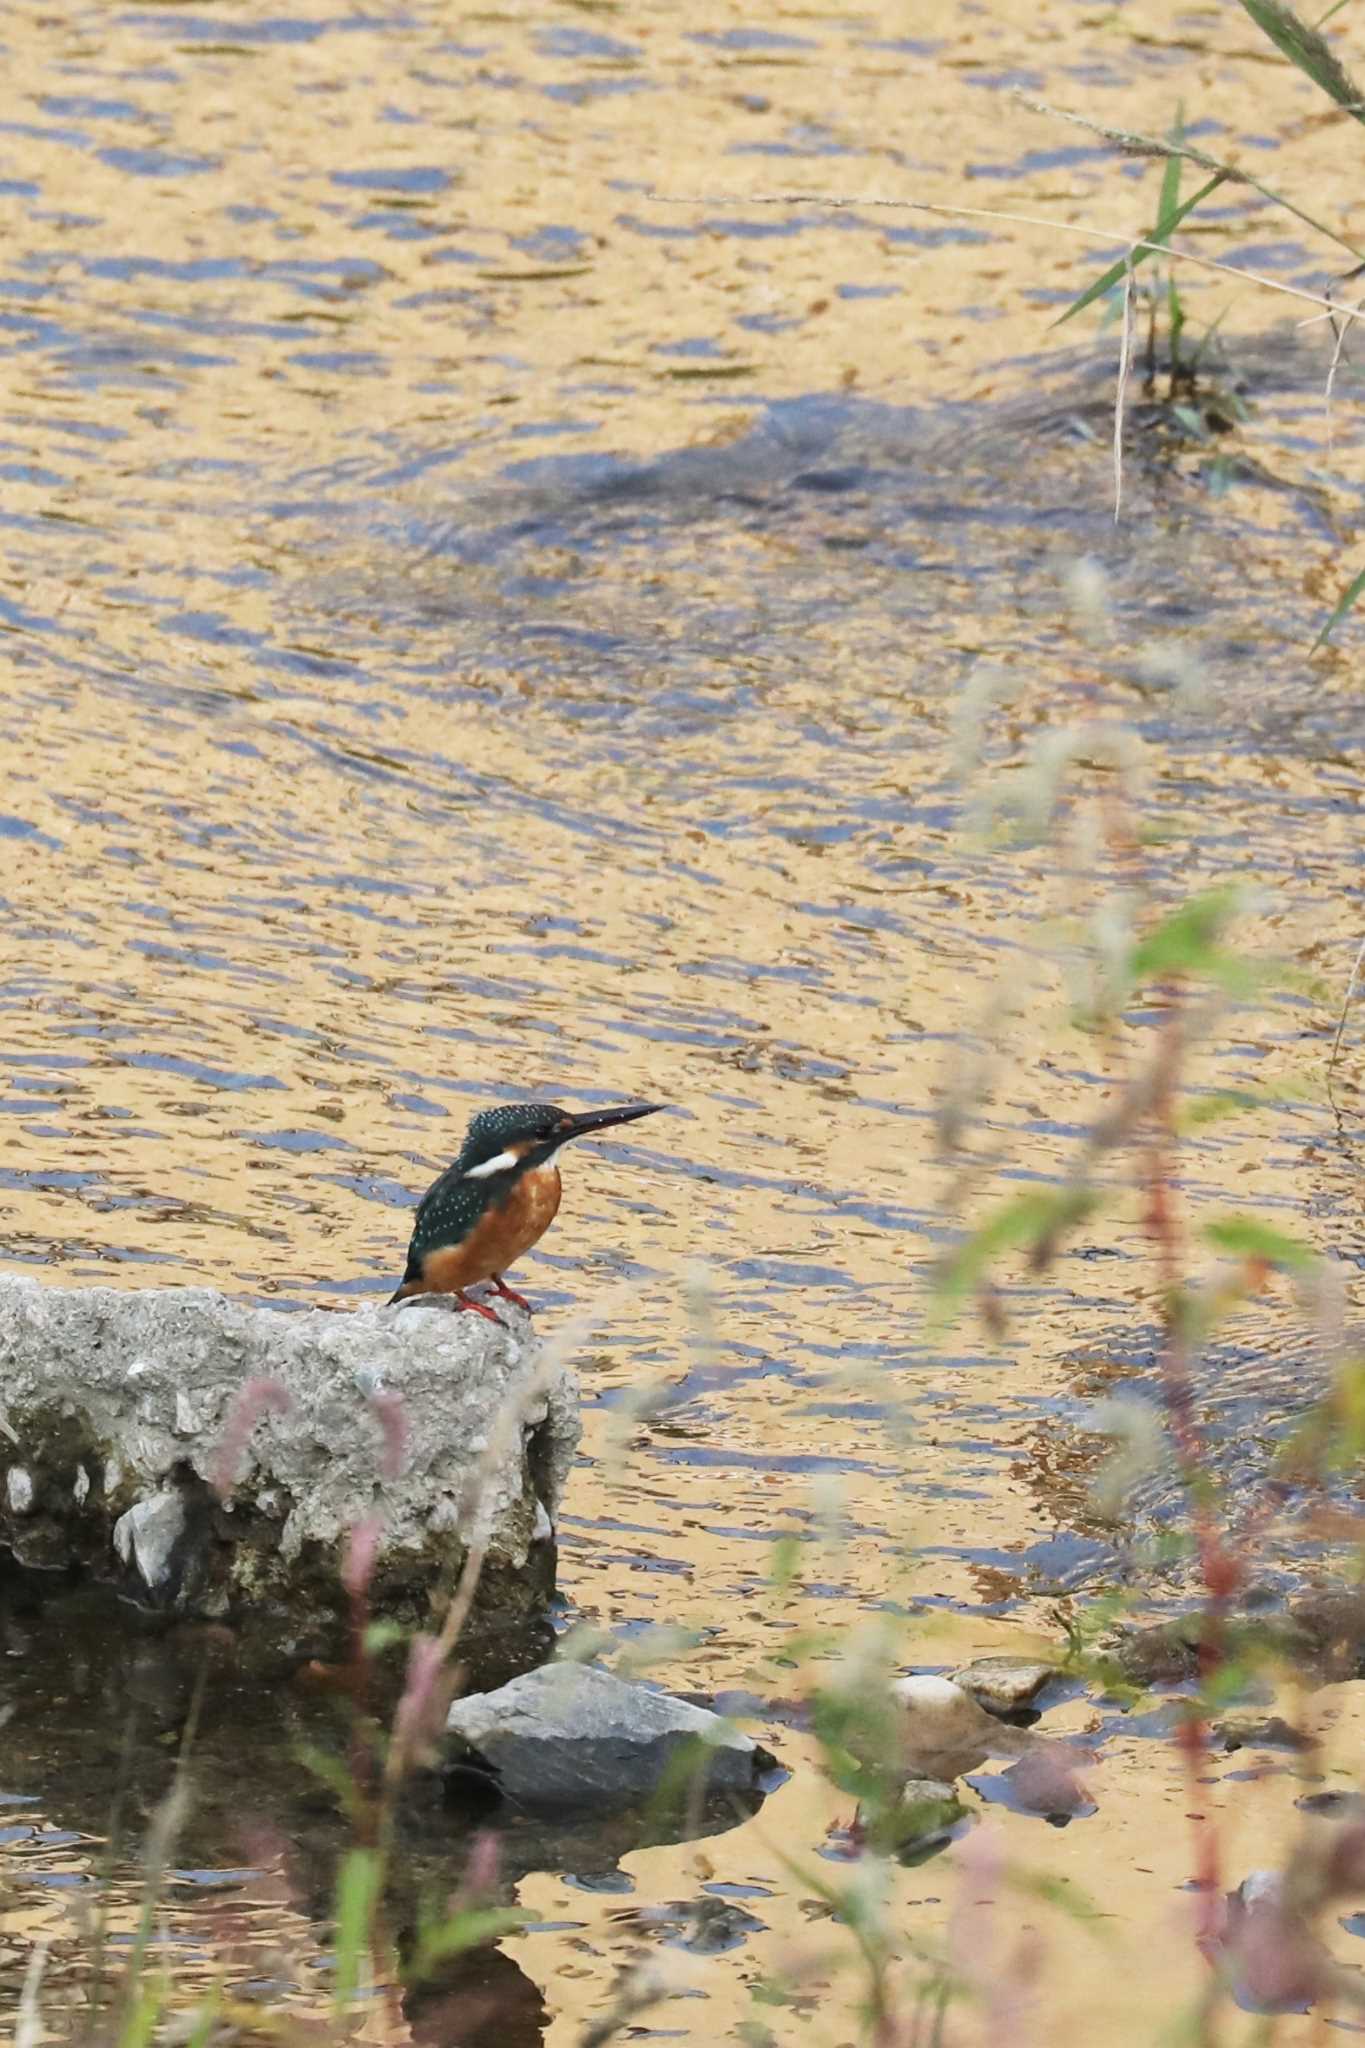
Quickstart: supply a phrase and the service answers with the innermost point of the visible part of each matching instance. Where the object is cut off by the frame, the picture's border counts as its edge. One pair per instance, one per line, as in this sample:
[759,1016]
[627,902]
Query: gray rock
[1325,1630]
[1267,1947]
[1050,1779]
[19,1490]
[1260,1888]
[1165,1653]
[572,1735]
[944,1733]
[120,1408]
[706,1925]
[927,1811]
[918,1791]
[1271,1731]
[1003,1684]
[916,1814]
[1334,1805]
[147,1535]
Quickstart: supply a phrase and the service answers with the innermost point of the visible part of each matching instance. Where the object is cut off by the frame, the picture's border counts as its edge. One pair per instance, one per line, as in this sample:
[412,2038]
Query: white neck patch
[499,1164]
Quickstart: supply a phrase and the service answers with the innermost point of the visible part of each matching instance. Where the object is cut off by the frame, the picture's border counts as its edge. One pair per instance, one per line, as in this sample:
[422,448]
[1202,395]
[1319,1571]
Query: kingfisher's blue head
[529,1133]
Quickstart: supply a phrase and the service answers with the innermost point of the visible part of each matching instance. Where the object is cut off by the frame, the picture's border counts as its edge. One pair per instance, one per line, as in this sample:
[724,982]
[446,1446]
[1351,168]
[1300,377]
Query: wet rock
[571,1735]
[1004,1685]
[148,1534]
[1323,1635]
[1165,1654]
[946,1733]
[1326,1630]
[1271,1958]
[709,1926]
[1334,1805]
[1272,1732]
[927,1812]
[19,1490]
[918,1815]
[1050,1781]
[121,1412]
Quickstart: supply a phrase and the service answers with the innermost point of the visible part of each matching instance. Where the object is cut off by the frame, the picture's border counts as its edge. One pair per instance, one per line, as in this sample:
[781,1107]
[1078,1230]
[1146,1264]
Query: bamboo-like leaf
[1213,1109]
[1132,143]
[1247,1238]
[330,1771]
[476,1927]
[786,1562]
[1031,1219]
[1312,52]
[1169,203]
[1344,603]
[382,1635]
[1186,942]
[1066,1896]
[1162,232]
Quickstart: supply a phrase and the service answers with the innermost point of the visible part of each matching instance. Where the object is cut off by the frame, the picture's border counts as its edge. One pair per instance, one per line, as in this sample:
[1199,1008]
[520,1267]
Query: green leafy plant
[1305,46]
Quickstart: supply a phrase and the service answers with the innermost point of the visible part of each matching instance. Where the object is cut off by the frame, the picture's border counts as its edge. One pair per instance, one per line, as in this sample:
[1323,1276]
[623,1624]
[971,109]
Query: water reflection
[477,629]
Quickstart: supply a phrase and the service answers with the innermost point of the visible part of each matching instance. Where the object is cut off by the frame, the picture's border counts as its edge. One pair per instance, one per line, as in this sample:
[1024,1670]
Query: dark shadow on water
[99,1702]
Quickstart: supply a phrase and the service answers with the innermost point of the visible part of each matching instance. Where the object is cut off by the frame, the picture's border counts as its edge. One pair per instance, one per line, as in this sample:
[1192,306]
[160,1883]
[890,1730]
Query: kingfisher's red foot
[480,1308]
[451,1299]
[506,1293]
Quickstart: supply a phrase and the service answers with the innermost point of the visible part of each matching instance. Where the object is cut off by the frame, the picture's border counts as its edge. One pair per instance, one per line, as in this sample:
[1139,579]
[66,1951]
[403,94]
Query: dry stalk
[1121,393]
[1351,987]
[1338,352]
[839,203]
[29,2029]
[1132,144]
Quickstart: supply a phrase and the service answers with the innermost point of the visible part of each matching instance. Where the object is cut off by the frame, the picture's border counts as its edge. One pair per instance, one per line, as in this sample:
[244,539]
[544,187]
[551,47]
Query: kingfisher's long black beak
[603,1119]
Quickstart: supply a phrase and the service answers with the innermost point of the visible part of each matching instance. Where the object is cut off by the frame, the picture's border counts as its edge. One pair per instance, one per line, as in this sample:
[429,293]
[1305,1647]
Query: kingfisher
[498,1198]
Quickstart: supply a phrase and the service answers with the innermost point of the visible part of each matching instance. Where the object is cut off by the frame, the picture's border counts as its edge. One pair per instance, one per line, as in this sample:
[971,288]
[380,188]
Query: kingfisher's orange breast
[500,1236]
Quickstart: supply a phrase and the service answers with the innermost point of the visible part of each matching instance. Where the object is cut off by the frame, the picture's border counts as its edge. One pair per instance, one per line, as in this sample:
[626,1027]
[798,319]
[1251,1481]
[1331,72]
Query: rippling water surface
[486,601]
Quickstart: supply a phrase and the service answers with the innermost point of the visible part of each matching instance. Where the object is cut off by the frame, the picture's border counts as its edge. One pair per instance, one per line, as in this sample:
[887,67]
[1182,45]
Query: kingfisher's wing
[445,1215]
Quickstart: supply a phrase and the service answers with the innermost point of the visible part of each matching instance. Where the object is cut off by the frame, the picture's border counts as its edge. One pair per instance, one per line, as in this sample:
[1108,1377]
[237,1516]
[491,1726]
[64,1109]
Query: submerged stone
[1267,1948]
[1165,1653]
[927,1811]
[573,1735]
[210,1459]
[1270,1731]
[1327,1631]
[1321,1635]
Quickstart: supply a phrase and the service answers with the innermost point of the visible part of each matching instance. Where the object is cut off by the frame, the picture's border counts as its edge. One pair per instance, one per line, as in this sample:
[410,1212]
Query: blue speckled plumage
[491,1129]
[471,1223]
[453,1204]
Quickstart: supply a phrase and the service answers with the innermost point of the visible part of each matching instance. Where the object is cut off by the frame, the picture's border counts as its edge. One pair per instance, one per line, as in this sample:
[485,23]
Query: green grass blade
[1313,54]
[1162,232]
[1030,1220]
[1184,942]
[1169,203]
[1247,1238]
[1344,604]
[357,1892]
[1187,942]
[476,1927]
[142,2023]
[207,2024]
